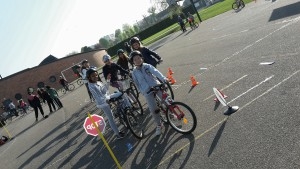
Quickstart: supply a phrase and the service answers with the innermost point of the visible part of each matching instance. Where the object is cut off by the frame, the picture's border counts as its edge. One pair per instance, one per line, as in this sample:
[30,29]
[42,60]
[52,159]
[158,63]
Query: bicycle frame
[167,101]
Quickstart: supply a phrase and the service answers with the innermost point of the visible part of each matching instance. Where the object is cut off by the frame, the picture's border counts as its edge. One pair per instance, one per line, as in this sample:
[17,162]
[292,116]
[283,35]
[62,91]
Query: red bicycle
[179,115]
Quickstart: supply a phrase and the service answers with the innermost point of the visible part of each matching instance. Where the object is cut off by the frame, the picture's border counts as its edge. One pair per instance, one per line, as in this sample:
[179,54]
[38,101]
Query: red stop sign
[90,128]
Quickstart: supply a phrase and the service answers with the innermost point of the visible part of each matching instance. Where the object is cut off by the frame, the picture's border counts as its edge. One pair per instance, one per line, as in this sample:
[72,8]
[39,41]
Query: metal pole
[192,2]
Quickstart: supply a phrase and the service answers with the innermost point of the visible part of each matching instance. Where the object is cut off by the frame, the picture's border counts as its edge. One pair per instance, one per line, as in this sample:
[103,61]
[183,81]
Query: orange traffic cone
[194,82]
[223,95]
[171,79]
[170,71]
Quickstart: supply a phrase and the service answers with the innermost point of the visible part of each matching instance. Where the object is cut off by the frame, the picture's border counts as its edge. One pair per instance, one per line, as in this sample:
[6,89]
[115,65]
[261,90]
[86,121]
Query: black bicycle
[179,115]
[129,116]
[70,87]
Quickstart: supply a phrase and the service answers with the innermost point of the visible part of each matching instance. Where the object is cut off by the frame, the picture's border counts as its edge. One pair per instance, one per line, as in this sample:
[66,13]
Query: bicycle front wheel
[135,103]
[181,118]
[169,89]
[134,89]
[134,122]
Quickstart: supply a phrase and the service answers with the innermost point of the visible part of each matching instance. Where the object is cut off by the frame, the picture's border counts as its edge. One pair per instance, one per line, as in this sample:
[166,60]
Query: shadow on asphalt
[157,151]
[285,11]
[217,104]
[217,138]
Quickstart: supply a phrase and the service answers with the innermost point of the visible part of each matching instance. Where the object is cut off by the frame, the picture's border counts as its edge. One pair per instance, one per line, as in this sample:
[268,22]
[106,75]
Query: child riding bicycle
[145,76]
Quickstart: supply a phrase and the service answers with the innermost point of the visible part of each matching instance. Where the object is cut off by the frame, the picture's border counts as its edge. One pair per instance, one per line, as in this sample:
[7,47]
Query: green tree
[104,42]
[118,35]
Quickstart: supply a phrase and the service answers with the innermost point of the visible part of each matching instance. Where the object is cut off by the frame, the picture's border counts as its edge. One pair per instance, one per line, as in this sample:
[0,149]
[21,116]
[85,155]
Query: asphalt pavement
[251,55]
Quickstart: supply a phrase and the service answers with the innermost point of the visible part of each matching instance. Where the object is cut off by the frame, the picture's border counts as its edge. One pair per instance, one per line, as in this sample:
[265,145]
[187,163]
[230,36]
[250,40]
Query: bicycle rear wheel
[234,6]
[134,122]
[181,118]
[71,87]
[79,82]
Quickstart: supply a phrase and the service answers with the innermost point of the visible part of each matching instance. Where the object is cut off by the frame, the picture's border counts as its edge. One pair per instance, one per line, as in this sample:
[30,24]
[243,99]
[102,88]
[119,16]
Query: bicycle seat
[115,96]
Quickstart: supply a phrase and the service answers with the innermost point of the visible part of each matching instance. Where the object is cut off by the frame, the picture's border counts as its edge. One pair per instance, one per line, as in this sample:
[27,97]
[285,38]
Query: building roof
[48,60]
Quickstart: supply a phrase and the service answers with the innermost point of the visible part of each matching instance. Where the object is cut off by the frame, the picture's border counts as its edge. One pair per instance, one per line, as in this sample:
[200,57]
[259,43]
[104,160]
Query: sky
[31,30]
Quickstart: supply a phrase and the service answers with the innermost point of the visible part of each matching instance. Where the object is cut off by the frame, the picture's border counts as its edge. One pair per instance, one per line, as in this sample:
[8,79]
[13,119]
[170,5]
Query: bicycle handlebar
[157,88]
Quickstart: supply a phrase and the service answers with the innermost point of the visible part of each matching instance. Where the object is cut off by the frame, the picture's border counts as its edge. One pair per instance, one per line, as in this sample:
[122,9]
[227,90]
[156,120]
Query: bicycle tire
[134,123]
[134,89]
[71,87]
[79,82]
[169,89]
[185,124]
[133,99]
[234,6]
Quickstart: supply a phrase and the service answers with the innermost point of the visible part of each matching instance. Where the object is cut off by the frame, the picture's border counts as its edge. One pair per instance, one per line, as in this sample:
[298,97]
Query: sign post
[89,125]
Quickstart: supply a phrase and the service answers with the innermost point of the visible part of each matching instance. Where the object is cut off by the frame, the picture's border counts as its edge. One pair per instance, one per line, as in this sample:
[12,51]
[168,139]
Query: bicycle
[169,89]
[128,116]
[130,93]
[179,115]
[70,86]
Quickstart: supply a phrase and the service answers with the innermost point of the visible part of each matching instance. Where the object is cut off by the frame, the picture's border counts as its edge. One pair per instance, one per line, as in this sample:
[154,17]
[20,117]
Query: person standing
[150,56]
[64,83]
[54,96]
[49,100]
[123,61]
[100,93]
[85,65]
[35,103]
[145,76]
[110,72]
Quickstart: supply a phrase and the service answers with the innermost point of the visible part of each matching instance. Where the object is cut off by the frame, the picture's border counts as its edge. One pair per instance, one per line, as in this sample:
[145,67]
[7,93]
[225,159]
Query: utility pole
[192,2]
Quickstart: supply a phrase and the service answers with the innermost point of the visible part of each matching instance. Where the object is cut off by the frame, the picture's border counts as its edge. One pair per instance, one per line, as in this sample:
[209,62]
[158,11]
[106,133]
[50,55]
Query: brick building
[47,72]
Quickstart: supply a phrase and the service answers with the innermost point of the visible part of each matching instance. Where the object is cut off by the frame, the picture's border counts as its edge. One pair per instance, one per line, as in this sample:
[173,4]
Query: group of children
[49,95]
[144,75]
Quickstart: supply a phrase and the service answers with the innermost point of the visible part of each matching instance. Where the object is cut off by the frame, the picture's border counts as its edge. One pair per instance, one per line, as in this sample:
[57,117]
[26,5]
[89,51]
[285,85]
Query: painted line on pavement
[220,122]
[226,87]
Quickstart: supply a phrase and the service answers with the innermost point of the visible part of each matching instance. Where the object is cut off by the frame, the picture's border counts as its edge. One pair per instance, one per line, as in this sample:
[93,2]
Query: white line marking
[269,89]
[226,87]
[267,79]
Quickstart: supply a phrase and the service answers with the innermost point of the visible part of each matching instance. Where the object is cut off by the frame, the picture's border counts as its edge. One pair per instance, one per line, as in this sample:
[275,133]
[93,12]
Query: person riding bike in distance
[110,72]
[100,94]
[150,56]
[145,76]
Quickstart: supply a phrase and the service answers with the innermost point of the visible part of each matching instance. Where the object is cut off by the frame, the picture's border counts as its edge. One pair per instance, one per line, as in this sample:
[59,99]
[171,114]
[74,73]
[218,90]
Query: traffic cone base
[194,82]
[171,79]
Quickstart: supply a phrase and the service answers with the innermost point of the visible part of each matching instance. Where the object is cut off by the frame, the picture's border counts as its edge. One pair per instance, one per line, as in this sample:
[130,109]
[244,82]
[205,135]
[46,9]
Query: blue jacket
[144,77]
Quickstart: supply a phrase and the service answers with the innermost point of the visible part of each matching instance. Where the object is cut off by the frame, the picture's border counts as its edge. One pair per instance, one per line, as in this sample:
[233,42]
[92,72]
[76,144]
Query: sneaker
[158,130]
[121,135]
